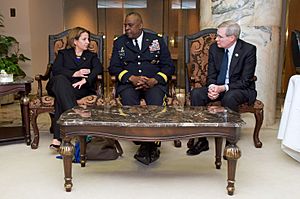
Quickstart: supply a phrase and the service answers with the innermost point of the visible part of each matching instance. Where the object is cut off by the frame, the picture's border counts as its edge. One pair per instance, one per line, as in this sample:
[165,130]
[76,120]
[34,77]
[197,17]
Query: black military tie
[137,44]
[223,69]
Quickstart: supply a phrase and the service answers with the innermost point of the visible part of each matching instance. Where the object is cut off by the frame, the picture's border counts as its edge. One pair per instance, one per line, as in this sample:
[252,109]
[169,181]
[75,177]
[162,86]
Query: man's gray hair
[232,28]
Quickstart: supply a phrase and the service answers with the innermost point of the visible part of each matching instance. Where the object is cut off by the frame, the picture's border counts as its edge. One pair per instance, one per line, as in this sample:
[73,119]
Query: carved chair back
[196,59]
[59,41]
[165,37]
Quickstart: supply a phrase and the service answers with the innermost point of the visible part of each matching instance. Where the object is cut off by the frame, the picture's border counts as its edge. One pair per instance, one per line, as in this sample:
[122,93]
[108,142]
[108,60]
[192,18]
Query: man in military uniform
[142,64]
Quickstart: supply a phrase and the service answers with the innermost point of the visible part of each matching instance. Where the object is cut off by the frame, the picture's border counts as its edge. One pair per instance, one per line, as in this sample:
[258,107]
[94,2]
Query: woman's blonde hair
[74,34]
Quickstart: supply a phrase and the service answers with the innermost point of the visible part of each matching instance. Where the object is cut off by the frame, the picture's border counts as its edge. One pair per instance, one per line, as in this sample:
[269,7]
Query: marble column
[260,23]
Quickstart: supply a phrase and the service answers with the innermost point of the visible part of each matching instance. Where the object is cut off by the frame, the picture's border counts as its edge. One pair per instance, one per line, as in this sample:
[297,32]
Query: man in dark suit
[142,64]
[231,68]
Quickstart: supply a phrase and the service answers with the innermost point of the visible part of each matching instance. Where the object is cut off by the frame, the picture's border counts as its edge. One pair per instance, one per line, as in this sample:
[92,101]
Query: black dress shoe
[154,154]
[198,148]
[143,154]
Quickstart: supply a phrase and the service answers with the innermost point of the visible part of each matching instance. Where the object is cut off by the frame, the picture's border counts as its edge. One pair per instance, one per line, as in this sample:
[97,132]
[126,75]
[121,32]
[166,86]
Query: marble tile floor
[265,173]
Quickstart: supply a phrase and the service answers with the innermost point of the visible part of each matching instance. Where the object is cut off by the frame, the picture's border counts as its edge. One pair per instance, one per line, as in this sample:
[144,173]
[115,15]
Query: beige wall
[46,17]
[81,13]
[34,21]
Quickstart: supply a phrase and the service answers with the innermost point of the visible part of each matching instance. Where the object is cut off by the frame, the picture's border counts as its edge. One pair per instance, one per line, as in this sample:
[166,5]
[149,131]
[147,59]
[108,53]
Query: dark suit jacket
[242,67]
[154,57]
[66,64]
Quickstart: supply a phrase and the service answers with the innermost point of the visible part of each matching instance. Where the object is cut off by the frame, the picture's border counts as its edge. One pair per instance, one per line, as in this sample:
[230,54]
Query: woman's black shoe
[54,147]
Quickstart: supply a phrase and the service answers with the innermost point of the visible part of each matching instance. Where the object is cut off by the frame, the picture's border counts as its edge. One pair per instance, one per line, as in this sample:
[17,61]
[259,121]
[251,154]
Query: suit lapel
[235,57]
[72,54]
[83,58]
[146,42]
[220,54]
[129,44]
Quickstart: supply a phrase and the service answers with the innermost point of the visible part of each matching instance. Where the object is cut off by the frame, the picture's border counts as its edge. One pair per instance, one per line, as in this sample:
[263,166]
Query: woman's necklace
[78,54]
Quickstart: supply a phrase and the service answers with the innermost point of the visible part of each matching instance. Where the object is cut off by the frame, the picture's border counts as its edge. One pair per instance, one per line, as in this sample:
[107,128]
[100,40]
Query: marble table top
[151,116]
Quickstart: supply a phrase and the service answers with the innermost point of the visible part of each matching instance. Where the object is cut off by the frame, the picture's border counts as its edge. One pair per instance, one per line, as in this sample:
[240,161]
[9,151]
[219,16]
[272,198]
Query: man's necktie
[223,69]
[137,44]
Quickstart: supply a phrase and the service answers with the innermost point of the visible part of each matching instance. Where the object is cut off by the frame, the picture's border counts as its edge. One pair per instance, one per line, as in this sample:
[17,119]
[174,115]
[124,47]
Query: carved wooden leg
[25,118]
[232,153]
[36,134]
[190,143]
[67,151]
[218,145]
[177,143]
[52,123]
[82,150]
[259,117]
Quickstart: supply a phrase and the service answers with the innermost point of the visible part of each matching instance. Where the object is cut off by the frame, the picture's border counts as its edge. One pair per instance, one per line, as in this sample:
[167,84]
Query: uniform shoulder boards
[160,35]
[115,38]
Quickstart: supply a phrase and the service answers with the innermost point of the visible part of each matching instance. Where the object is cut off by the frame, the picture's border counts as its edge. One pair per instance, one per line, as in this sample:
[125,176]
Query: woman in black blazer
[74,72]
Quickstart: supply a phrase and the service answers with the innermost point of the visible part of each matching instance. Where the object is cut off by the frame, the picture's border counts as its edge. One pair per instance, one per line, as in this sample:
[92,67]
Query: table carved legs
[82,150]
[24,103]
[218,145]
[67,151]
[232,154]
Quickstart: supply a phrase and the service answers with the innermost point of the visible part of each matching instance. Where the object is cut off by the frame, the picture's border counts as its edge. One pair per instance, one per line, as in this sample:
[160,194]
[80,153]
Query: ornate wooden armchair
[196,60]
[42,102]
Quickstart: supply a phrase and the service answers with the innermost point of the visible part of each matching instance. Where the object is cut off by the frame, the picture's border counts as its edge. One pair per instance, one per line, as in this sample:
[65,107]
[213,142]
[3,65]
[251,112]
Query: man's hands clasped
[142,82]
[214,91]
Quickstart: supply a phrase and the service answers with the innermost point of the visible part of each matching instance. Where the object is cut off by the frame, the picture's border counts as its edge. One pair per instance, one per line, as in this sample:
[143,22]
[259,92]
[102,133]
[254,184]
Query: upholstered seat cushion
[257,105]
[44,101]
[48,101]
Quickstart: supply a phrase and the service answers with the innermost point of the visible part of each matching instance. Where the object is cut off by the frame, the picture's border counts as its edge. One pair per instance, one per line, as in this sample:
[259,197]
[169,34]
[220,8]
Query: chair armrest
[114,91]
[172,86]
[99,86]
[46,76]
[39,78]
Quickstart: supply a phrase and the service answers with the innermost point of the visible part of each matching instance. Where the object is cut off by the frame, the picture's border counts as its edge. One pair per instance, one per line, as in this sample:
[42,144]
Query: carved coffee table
[152,123]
